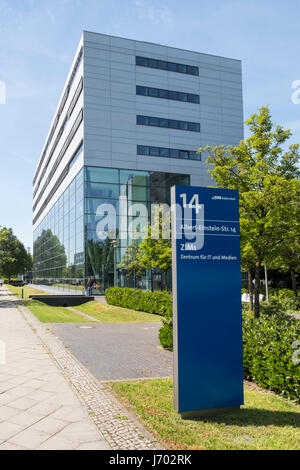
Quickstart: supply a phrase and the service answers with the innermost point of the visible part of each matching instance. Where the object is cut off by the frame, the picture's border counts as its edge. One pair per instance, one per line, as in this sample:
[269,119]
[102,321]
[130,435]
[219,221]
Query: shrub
[285,299]
[268,353]
[166,336]
[150,302]
[166,331]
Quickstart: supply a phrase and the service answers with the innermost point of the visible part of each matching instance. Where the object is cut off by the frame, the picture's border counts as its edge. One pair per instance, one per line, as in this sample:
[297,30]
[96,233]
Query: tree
[14,258]
[130,261]
[99,259]
[268,182]
[155,250]
[286,256]
[55,259]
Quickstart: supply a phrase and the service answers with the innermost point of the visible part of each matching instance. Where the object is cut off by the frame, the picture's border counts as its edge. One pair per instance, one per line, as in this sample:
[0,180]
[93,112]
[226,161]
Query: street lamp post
[114,244]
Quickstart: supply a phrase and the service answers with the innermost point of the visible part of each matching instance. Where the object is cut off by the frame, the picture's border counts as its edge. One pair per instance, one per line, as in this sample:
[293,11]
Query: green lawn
[266,422]
[111,314]
[100,311]
[17,291]
[47,314]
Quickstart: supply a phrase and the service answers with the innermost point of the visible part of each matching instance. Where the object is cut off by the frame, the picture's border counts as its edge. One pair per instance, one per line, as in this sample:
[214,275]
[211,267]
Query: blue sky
[38,40]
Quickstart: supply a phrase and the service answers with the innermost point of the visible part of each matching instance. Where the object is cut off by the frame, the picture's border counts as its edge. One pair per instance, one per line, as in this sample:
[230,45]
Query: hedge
[267,340]
[144,301]
[268,353]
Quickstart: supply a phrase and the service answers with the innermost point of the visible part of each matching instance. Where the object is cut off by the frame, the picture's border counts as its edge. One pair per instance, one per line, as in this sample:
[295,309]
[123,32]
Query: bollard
[22,293]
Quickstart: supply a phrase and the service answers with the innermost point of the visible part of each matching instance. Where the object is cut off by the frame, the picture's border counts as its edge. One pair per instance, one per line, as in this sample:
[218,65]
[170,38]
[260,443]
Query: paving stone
[7,412]
[23,403]
[10,446]
[70,414]
[26,418]
[30,438]
[50,425]
[57,443]
[92,416]
[8,430]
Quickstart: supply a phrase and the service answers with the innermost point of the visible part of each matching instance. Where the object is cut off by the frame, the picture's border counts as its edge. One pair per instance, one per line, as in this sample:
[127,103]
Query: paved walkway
[118,351]
[48,400]
[38,408]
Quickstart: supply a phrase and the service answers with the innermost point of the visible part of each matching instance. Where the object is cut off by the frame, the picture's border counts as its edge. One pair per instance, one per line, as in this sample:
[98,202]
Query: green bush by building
[267,340]
[144,301]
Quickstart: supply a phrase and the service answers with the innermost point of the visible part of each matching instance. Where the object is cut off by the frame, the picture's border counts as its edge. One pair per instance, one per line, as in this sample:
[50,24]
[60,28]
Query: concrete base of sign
[206,413]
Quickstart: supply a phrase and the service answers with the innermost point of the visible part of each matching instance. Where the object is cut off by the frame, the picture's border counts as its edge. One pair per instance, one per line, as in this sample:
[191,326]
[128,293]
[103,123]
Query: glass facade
[58,241]
[123,189]
[74,243]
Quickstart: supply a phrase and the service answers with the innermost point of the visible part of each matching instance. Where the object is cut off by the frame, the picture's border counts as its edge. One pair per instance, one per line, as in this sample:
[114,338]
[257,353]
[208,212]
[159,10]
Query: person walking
[1,282]
[90,284]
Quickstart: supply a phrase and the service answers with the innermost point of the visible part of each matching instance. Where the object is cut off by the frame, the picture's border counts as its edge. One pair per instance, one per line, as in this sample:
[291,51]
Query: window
[142,61]
[172,66]
[154,151]
[174,153]
[173,124]
[193,98]
[170,123]
[164,122]
[166,152]
[152,63]
[181,68]
[163,152]
[142,90]
[173,95]
[164,65]
[182,97]
[194,127]
[105,175]
[76,156]
[102,190]
[167,94]
[153,92]
[183,126]
[142,120]
[195,156]
[153,121]
[164,94]
[142,150]
[184,154]
[192,70]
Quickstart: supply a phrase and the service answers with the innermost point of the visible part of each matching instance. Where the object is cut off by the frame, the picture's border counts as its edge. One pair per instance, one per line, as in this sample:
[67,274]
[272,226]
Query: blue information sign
[208,357]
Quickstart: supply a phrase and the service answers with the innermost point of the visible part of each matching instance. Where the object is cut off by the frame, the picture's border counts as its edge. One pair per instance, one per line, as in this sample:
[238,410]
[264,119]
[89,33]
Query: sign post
[208,358]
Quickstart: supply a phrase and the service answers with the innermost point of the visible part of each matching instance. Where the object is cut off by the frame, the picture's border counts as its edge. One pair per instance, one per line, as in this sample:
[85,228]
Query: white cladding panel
[111,105]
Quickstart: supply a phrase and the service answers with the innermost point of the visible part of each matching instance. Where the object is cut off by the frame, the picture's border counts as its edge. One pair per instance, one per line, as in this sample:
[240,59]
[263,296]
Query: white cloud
[156,15]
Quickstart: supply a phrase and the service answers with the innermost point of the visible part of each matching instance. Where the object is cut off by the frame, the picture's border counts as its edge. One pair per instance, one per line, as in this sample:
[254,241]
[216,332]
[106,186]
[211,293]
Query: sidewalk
[38,408]
[49,400]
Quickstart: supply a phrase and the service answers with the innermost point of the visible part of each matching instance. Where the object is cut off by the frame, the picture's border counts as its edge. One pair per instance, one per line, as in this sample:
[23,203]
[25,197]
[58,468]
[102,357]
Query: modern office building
[130,120]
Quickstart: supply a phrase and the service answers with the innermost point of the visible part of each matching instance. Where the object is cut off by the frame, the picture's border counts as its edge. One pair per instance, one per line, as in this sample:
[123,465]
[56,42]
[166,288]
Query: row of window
[76,155]
[59,112]
[167,94]
[166,152]
[164,65]
[170,123]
